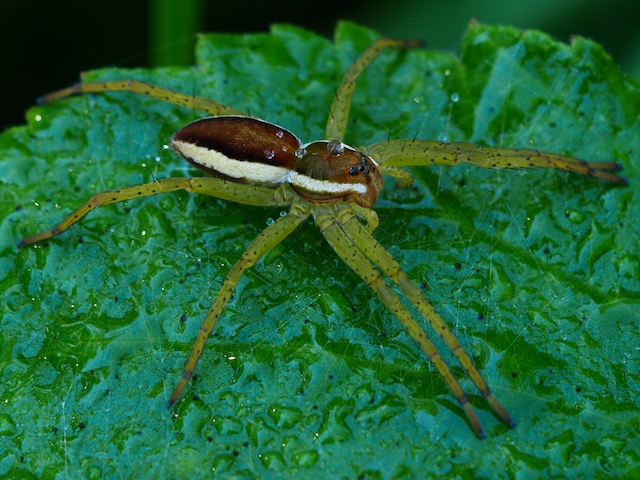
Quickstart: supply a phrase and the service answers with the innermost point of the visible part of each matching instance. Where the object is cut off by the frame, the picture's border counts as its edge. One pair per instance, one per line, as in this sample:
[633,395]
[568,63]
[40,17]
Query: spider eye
[361,168]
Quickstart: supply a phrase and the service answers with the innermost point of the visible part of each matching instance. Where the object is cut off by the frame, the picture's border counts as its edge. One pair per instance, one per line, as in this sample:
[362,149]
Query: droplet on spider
[269,154]
[335,147]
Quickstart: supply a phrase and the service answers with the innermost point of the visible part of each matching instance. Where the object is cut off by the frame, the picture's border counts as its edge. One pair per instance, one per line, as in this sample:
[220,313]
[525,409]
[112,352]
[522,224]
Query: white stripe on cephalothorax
[324,186]
[261,173]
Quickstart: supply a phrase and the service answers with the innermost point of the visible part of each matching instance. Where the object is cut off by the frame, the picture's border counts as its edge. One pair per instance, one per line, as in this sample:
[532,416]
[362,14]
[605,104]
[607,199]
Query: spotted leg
[269,238]
[339,114]
[140,88]
[377,254]
[408,153]
[247,194]
[353,256]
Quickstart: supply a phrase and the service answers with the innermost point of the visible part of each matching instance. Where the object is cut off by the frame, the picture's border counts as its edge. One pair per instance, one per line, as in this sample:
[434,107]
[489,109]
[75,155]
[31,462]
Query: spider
[258,163]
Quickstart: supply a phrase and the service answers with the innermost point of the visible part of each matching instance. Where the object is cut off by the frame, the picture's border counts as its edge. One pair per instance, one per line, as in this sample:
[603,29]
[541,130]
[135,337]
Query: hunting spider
[257,163]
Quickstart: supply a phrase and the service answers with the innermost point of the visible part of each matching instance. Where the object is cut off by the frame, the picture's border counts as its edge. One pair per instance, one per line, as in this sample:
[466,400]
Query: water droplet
[574,216]
[335,147]
[301,152]
[269,154]
[284,416]
[455,98]
[307,458]
[279,134]
[270,221]
[38,118]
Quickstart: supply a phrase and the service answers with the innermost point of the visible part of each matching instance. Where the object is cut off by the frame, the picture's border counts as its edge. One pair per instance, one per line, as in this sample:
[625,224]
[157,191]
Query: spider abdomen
[237,148]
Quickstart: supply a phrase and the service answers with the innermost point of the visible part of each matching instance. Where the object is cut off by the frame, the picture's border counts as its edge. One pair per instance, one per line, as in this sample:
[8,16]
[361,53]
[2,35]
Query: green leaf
[306,373]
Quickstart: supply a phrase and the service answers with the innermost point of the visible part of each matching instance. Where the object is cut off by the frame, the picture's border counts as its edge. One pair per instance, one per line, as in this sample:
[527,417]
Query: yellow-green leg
[412,153]
[339,114]
[141,88]
[352,255]
[377,254]
[247,194]
[269,238]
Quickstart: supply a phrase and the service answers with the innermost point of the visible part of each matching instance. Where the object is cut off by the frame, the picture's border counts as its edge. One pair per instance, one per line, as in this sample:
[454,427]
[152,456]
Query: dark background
[45,44]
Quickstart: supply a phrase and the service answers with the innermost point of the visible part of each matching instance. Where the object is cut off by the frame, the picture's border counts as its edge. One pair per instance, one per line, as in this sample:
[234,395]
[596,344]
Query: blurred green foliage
[47,44]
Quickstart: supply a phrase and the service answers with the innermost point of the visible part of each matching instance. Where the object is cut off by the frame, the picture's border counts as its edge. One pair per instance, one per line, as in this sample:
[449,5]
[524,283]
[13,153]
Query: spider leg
[339,114]
[377,254]
[247,194]
[406,153]
[368,216]
[333,230]
[403,177]
[141,88]
[269,238]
